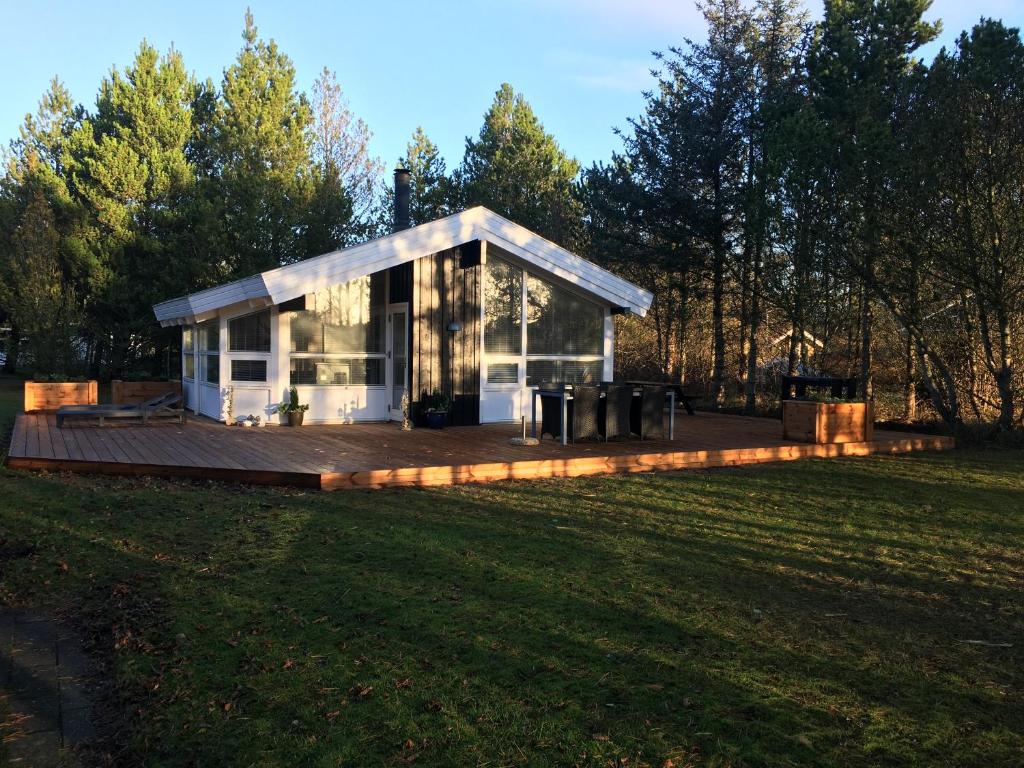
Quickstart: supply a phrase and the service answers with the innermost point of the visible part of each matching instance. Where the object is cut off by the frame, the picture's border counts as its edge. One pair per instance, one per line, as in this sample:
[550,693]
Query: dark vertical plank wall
[444,292]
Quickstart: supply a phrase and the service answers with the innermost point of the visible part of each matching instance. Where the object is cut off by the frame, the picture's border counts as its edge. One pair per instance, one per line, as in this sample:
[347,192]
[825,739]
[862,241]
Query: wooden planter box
[131,392]
[812,422]
[49,396]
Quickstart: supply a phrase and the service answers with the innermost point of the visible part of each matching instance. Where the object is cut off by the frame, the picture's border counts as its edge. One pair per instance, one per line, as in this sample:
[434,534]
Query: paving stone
[30,714]
[37,679]
[32,656]
[77,726]
[34,750]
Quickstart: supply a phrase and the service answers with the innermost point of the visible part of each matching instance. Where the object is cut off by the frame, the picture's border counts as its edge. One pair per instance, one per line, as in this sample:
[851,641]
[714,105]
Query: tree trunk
[866,319]
[910,385]
[718,323]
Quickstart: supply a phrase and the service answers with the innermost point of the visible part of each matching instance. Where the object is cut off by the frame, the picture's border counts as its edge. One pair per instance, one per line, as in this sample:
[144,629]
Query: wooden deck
[381,455]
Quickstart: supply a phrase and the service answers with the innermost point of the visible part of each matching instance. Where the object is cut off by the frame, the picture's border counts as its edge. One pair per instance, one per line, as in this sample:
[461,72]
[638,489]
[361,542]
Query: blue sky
[582,64]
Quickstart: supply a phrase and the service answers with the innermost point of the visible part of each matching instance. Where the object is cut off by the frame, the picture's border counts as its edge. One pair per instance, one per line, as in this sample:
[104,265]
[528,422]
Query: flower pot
[295,418]
[436,419]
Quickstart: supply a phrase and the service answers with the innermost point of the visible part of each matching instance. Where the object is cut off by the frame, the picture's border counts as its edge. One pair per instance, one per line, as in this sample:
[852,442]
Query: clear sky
[582,64]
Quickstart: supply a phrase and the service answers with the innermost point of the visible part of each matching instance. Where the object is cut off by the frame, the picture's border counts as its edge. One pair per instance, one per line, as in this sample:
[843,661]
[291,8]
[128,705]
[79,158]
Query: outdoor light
[455,326]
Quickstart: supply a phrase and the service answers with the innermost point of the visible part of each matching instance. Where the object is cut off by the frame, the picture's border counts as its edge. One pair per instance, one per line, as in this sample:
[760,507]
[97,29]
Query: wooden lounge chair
[167,405]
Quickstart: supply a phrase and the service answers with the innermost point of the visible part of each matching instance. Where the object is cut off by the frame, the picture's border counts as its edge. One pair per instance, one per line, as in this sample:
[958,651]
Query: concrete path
[44,703]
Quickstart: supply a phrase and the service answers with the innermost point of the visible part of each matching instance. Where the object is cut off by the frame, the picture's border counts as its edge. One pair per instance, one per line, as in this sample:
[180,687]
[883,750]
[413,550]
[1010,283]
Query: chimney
[402,192]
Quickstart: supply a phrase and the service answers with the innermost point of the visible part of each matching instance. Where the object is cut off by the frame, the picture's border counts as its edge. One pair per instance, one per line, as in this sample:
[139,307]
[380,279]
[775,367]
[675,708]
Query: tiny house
[472,304]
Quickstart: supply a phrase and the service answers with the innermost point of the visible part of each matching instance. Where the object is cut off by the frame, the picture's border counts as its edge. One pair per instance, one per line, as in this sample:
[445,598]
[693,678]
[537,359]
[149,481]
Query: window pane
[248,370]
[209,336]
[348,318]
[250,333]
[503,308]
[190,366]
[209,368]
[358,372]
[558,322]
[186,338]
[503,373]
[567,371]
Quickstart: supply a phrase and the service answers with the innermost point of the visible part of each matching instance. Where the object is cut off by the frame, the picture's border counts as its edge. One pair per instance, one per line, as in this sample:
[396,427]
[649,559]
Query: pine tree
[431,193]
[347,176]
[517,169]
[263,155]
[128,166]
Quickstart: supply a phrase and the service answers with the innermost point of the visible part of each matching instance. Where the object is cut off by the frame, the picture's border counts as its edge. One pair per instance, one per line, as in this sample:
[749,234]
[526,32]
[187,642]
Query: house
[471,304]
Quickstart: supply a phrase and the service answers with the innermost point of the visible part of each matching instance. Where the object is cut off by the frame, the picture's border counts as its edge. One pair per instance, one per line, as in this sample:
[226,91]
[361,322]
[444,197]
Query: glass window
[359,372]
[568,371]
[503,373]
[187,338]
[209,368]
[248,370]
[211,336]
[558,322]
[250,333]
[348,319]
[190,366]
[503,308]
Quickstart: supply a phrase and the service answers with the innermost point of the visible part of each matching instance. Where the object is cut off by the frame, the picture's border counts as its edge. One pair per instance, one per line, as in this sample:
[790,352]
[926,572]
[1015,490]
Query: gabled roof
[294,280]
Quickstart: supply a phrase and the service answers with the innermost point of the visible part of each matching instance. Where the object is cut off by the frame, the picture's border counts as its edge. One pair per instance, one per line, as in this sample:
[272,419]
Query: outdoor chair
[616,406]
[647,416]
[551,410]
[167,405]
[584,418]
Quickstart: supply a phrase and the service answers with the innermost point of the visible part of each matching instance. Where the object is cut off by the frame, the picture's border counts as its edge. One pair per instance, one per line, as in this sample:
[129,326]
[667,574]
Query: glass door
[398,357]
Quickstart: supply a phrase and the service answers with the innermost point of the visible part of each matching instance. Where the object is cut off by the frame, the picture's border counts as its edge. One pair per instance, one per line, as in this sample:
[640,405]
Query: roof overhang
[283,284]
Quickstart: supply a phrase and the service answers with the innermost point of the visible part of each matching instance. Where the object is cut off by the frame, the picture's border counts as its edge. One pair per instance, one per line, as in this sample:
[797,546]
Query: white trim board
[289,282]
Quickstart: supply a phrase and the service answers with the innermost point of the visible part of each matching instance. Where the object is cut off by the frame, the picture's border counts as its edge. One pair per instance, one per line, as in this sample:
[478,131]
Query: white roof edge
[292,280]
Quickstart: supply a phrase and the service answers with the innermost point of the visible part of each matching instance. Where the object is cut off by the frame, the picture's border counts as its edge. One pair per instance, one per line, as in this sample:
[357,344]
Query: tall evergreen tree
[128,166]
[859,65]
[431,187]
[263,157]
[517,169]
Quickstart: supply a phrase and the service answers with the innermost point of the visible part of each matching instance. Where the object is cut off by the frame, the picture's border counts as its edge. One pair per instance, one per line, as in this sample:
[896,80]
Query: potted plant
[293,408]
[436,405]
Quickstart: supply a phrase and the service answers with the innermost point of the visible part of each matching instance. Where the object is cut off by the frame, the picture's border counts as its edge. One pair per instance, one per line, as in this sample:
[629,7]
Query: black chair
[647,416]
[585,411]
[617,404]
[551,410]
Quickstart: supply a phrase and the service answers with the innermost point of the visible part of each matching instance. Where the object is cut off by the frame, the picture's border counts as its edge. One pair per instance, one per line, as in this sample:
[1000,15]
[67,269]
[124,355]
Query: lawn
[846,612]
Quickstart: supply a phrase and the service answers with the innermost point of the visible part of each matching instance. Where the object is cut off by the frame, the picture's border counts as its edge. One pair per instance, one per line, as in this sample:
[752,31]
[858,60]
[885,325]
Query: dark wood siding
[400,278]
[443,293]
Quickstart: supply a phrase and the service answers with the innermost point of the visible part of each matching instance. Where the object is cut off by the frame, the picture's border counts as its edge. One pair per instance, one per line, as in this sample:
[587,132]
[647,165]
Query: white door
[398,357]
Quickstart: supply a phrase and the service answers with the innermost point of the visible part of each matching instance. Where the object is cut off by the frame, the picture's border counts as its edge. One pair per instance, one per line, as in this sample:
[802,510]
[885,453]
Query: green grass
[810,613]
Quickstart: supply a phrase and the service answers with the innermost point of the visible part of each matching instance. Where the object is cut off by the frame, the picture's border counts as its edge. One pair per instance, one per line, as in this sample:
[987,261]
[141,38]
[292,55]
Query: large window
[558,322]
[503,308]
[341,340]
[250,333]
[564,331]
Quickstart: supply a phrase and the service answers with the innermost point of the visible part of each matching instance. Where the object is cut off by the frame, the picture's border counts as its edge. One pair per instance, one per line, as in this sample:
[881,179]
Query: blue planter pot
[436,419]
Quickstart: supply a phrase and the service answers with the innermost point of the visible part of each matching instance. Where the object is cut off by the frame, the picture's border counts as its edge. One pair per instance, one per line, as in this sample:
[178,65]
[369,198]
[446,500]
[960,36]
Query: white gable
[286,283]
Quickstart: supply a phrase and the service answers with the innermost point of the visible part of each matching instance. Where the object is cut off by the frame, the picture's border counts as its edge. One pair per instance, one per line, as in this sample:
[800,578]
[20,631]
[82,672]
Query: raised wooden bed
[49,396]
[141,391]
[825,423]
